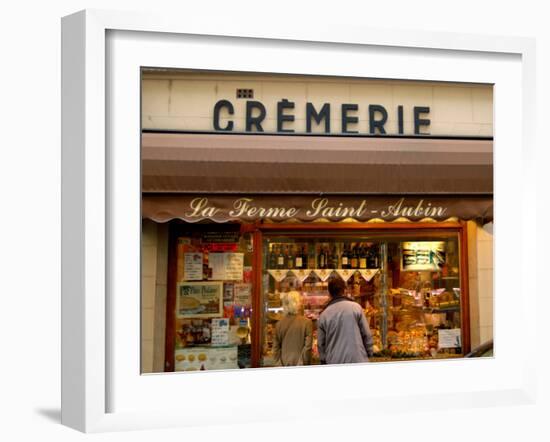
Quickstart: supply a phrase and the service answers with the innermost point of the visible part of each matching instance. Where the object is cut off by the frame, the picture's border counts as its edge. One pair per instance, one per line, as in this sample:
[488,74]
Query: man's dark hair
[336,287]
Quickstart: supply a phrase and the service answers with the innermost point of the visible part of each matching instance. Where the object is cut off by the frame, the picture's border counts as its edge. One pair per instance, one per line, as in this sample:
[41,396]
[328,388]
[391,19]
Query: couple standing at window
[343,334]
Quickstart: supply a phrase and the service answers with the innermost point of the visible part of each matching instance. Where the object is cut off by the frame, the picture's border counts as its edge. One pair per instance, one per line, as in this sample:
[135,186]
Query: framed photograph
[353,152]
[199,300]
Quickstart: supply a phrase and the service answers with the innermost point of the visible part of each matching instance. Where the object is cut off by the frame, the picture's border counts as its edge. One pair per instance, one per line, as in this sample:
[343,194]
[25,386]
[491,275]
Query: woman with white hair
[292,339]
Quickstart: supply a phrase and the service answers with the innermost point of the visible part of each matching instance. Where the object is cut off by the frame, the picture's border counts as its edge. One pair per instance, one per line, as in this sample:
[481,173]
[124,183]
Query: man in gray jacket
[343,334]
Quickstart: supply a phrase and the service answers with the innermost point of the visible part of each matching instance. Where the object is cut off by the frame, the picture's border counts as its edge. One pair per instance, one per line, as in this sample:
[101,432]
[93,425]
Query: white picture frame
[102,389]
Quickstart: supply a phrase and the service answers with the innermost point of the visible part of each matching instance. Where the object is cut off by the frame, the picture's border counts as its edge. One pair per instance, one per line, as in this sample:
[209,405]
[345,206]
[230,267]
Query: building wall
[154,240]
[185,101]
[480,256]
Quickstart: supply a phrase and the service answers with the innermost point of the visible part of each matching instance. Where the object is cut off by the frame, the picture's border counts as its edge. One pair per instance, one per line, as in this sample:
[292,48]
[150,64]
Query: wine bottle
[354,261]
[312,258]
[333,258]
[362,258]
[280,258]
[299,260]
[273,257]
[345,259]
[375,256]
[290,257]
[321,256]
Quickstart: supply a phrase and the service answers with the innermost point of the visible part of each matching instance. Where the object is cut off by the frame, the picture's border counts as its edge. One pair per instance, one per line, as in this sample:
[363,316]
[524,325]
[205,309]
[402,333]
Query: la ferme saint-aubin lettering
[256,113]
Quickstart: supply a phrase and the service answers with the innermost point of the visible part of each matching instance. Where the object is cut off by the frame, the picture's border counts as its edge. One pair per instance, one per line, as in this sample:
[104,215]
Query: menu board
[220,331]
[226,266]
[206,358]
[192,266]
[199,299]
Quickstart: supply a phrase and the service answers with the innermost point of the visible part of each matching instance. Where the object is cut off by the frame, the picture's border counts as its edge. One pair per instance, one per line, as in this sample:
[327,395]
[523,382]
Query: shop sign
[319,116]
[305,208]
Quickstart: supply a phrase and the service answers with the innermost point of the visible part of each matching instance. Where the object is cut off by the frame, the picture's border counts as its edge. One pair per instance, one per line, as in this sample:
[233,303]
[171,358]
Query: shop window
[213,298]
[407,284]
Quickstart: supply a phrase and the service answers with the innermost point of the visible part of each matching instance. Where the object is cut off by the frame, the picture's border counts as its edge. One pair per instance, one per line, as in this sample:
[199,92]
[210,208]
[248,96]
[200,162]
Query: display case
[407,282]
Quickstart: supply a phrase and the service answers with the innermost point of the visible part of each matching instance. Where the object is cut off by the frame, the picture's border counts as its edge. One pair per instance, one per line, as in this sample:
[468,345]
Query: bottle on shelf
[375,257]
[280,258]
[272,257]
[344,259]
[354,259]
[333,259]
[312,258]
[321,258]
[290,257]
[362,258]
[305,257]
[299,259]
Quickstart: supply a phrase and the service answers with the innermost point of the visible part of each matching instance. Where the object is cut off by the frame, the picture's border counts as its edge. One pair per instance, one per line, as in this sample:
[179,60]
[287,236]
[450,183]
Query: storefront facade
[253,185]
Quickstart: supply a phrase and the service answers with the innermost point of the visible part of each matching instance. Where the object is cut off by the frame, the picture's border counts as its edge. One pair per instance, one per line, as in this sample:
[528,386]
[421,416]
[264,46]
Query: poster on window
[192,266]
[422,255]
[243,294]
[199,299]
[226,266]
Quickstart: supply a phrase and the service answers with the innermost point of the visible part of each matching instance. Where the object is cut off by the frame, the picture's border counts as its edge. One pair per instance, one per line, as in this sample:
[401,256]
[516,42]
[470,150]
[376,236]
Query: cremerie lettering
[319,116]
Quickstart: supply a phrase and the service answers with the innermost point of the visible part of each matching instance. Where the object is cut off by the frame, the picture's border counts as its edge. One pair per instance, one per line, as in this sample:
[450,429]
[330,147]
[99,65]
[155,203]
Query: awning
[307,208]
[345,165]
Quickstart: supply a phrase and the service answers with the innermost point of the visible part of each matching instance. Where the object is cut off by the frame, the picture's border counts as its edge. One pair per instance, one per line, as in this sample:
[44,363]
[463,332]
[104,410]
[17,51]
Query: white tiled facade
[480,257]
[185,101]
[154,274]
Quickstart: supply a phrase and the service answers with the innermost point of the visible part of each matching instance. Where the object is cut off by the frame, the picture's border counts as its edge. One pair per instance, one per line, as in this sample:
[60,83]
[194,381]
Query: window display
[407,283]
[237,290]
[213,299]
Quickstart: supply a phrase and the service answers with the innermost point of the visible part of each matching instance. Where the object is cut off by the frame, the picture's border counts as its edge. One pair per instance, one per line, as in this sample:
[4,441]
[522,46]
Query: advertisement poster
[199,299]
[422,255]
[226,266]
[243,294]
[449,338]
[192,266]
[228,290]
[247,274]
[220,331]
[184,245]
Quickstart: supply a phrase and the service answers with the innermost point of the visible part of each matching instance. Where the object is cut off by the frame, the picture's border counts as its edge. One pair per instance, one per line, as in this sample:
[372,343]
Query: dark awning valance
[247,164]
[307,208]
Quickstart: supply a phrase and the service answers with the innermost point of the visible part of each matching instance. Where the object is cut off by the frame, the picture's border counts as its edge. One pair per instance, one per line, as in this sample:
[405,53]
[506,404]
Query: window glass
[213,311]
[407,284]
